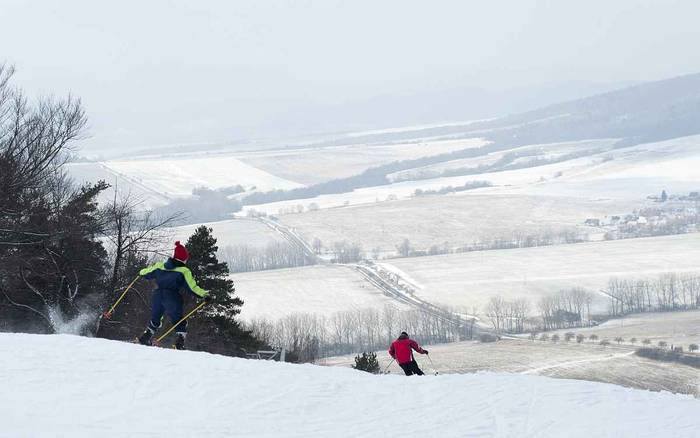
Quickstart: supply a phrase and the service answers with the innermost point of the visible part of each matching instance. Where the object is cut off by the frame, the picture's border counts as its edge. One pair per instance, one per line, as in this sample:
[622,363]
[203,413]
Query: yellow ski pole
[178,323]
[108,314]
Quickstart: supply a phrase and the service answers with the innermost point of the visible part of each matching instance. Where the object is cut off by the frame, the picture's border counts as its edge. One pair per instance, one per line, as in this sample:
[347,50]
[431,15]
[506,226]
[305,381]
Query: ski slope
[61,385]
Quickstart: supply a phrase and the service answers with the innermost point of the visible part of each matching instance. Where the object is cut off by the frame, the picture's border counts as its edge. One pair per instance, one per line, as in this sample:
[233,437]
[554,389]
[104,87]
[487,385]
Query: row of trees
[517,239]
[275,255]
[310,336]
[667,292]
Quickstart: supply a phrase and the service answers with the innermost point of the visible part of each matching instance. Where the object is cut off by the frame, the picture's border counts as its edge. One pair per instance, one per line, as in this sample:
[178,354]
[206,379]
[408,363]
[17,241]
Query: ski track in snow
[61,385]
[576,362]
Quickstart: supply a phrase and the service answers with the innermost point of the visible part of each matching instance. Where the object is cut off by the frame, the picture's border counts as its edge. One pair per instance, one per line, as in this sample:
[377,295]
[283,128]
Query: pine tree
[367,362]
[215,328]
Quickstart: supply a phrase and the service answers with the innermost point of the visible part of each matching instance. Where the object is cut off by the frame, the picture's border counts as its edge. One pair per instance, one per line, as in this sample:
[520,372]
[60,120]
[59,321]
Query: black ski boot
[145,338]
[179,341]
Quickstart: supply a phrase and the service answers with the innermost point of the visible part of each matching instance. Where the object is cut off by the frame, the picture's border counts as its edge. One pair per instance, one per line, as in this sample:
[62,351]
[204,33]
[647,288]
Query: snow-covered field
[625,174]
[233,232]
[57,386]
[313,289]
[177,177]
[93,172]
[471,279]
[458,219]
[567,360]
[528,153]
[314,165]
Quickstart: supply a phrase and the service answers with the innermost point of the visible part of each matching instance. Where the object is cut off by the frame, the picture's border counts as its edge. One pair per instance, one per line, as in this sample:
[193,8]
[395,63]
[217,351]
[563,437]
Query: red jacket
[401,349]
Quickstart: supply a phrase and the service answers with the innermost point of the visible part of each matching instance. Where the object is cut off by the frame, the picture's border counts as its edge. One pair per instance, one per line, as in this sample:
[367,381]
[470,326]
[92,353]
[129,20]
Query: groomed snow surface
[61,385]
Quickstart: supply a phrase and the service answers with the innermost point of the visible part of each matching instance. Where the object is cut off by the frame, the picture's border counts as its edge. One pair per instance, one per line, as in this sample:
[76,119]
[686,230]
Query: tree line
[275,255]
[666,292]
[311,336]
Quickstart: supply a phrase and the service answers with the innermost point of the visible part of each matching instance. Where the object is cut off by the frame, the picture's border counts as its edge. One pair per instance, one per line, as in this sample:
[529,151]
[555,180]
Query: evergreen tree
[215,328]
[664,196]
[367,362]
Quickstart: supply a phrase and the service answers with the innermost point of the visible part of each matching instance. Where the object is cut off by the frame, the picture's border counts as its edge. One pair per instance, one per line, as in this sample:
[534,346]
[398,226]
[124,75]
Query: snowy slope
[57,386]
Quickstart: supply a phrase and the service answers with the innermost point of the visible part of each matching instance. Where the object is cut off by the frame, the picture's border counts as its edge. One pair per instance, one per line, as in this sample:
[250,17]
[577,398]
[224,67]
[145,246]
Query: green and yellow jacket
[173,275]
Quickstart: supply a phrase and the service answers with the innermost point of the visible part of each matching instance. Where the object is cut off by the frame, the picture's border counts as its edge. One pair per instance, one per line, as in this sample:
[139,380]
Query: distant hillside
[642,113]
[648,112]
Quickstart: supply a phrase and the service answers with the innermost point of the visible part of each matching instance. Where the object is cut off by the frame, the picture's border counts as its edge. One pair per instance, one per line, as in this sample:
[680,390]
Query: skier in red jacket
[401,350]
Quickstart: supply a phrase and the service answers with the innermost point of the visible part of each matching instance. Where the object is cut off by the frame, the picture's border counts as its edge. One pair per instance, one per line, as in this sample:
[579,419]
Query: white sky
[161,72]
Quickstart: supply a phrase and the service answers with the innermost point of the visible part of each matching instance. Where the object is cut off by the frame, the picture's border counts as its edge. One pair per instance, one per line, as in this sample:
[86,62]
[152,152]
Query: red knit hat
[180,253]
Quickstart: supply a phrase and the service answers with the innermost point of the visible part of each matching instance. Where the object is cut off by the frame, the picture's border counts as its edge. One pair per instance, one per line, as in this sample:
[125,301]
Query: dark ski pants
[170,303]
[411,368]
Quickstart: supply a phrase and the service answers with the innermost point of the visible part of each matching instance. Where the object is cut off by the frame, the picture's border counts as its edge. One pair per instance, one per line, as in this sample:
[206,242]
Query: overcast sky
[164,72]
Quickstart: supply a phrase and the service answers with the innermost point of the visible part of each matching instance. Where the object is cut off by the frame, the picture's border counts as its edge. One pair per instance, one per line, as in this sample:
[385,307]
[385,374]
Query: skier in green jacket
[171,276]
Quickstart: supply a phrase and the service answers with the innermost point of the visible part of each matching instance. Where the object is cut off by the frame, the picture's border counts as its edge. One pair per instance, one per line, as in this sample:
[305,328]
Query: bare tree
[495,311]
[133,235]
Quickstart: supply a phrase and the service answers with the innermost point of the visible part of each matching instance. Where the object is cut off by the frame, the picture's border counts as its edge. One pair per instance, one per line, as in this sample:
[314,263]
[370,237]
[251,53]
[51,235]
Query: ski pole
[387,367]
[108,314]
[432,365]
[181,319]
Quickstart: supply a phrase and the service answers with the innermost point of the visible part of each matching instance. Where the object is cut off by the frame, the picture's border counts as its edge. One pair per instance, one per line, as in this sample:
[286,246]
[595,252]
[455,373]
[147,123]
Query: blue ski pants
[170,303]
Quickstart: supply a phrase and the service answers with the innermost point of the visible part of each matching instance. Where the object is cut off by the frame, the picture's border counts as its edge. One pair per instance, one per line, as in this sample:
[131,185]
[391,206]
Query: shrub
[580,338]
[646,341]
[662,344]
[593,338]
[533,336]
[693,347]
[619,340]
[544,337]
[604,342]
[669,356]
[367,362]
[555,338]
[633,341]
[487,337]
[569,336]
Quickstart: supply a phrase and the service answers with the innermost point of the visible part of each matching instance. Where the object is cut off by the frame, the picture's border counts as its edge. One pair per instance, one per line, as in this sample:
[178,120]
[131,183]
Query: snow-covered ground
[471,279]
[60,385]
[527,153]
[567,360]
[676,328]
[625,174]
[314,165]
[177,177]
[458,219]
[233,232]
[318,289]
[83,173]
